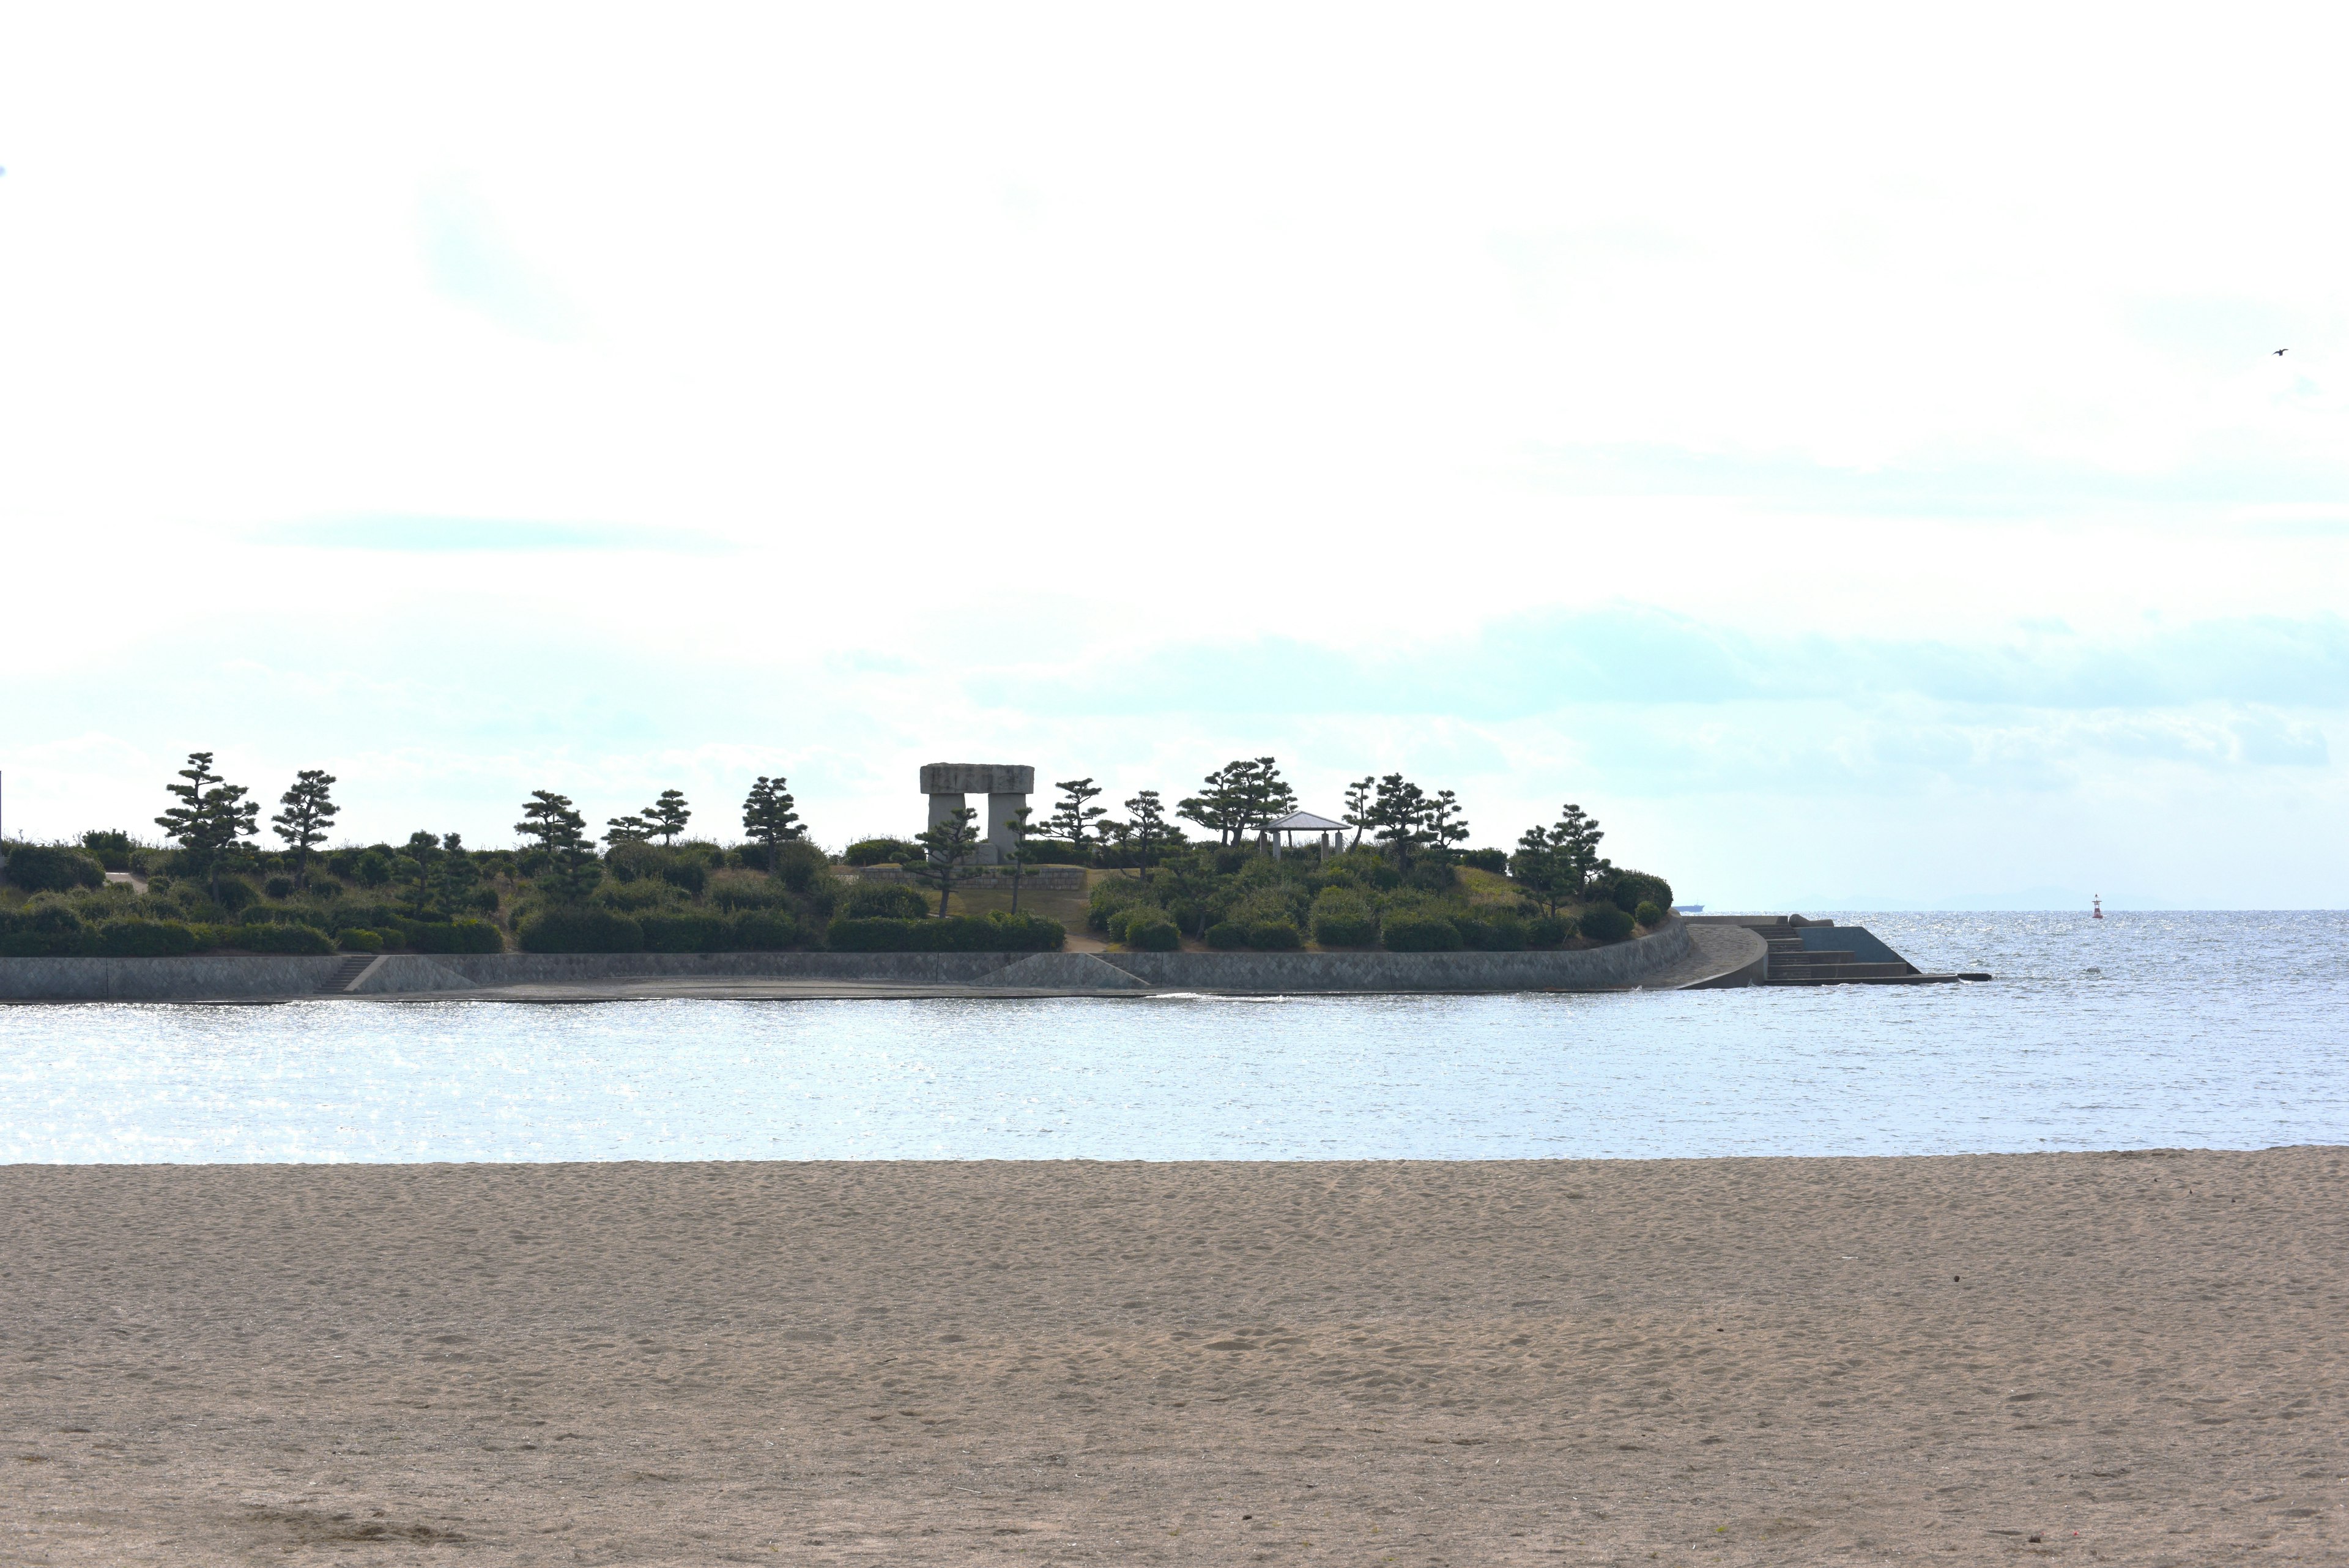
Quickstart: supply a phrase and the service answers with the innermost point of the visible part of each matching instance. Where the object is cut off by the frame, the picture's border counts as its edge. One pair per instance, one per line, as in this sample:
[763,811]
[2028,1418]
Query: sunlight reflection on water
[2142,1031]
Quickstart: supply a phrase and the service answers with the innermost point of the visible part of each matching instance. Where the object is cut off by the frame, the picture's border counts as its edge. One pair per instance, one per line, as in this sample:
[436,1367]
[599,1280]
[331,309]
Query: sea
[2138,1031]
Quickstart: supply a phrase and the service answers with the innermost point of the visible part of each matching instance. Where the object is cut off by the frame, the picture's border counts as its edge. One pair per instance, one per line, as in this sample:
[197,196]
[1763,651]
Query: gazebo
[1284,831]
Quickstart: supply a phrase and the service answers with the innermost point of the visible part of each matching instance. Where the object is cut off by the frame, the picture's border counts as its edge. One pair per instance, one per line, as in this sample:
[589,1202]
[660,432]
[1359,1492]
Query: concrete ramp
[1062,971]
[396,975]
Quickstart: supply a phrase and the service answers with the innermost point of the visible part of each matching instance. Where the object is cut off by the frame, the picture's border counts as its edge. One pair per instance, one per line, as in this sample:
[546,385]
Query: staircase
[1851,955]
[345,974]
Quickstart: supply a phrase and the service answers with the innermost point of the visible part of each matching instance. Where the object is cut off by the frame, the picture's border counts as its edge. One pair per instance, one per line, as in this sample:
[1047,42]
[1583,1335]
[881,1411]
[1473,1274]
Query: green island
[1394,873]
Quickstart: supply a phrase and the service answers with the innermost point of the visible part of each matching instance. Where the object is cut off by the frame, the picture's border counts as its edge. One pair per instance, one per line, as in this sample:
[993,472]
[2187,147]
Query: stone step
[353,966]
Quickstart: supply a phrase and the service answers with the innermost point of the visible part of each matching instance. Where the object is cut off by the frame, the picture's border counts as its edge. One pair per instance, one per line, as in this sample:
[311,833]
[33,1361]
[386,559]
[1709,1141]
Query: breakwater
[403,974]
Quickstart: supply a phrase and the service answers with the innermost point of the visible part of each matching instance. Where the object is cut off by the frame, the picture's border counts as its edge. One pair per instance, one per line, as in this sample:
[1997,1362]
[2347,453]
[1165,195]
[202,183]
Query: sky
[1841,448]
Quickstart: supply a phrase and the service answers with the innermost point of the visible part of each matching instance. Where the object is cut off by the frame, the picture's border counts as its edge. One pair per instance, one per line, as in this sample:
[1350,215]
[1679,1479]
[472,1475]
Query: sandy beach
[2133,1358]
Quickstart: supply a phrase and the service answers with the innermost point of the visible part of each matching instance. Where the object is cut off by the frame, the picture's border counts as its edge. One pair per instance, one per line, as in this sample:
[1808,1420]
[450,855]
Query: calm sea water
[2224,1031]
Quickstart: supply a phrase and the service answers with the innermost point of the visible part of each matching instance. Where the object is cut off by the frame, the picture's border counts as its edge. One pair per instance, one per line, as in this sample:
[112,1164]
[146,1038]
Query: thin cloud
[425,533]
[471,264]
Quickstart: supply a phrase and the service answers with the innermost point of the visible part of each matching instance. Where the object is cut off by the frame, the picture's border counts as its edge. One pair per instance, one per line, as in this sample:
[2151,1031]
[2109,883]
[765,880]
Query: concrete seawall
[413,974]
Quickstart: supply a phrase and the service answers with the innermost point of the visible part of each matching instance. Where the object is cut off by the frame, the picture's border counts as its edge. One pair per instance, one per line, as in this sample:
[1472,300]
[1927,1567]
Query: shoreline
[1750,1360]
[1680,955]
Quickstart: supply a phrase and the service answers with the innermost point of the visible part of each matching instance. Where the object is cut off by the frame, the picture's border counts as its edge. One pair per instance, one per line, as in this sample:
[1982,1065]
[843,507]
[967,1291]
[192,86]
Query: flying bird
[2280,353]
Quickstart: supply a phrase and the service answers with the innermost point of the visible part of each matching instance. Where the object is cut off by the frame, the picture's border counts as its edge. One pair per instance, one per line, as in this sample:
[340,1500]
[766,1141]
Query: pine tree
[562,832]
[1150,824]
[1399,815]
[669,815]
[950,841]
[1023,828]
[1075,814]
[1358,807]
[309,806]
[1445,825]
[210,817]
[769,817]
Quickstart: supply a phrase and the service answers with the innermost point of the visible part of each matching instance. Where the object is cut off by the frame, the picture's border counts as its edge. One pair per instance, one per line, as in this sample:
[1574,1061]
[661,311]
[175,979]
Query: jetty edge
[1686,953]
[1672,955]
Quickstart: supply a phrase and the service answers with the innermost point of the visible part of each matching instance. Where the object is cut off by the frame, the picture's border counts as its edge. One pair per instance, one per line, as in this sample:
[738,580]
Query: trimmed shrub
[235,895]
[1648,914]
[1420,934]
[686,933]
[299,941]
[762,931]
[110,848]
[1025,932]
[1627,890]
[360,939]
[1497,861]
[1226,935]
[143,939]
[1151,932]
[1432,877]
[883,901]
[999,932]
[882,852]
[279,886]
[577,929]
[457,937]
[690,875]
[1274,935]
[798,864]
[1107,897]
[373,869]
[1343,919]
[733,895]
[1605,923]
[1343,927]
[53,868]
[42,931]
[1501,934]
[1547,930]
[633,857]
[644,893]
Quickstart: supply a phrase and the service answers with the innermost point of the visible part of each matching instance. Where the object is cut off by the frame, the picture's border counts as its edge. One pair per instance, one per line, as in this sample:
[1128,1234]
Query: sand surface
[2133,1358]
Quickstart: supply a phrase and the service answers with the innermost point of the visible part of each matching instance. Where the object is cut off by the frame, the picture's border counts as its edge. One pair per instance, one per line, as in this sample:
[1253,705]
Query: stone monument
[1007,789]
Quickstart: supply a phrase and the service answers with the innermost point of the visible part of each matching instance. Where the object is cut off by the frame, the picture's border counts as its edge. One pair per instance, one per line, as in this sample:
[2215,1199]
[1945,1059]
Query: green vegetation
[999,933]
[1405,882]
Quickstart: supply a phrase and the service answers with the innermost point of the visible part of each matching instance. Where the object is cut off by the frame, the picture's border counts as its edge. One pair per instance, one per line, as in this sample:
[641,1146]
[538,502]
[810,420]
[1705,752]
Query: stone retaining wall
[271,979]
[160,979]
[1585,968]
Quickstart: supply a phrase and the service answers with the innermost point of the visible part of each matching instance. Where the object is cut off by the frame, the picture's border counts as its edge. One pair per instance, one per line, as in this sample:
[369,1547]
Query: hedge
[1225,934]
[300,942]
[1273,935]
[1151,932]
[686,933]
[455,937]
[1345,927]
[764,931]
[1549,931]
[52,868]
[143,939]
[1605,923]
[882,851]
[580,929]
[999,933]
[1420,934]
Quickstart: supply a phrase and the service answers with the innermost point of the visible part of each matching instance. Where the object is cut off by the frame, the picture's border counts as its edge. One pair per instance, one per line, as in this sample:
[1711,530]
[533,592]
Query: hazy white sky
[1843,450]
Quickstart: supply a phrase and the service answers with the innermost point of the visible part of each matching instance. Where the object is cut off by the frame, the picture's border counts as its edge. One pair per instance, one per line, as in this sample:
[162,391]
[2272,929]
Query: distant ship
[1687,908]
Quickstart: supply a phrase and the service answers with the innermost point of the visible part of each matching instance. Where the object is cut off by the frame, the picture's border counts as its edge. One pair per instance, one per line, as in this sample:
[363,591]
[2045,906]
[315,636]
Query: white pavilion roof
[1305,822]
